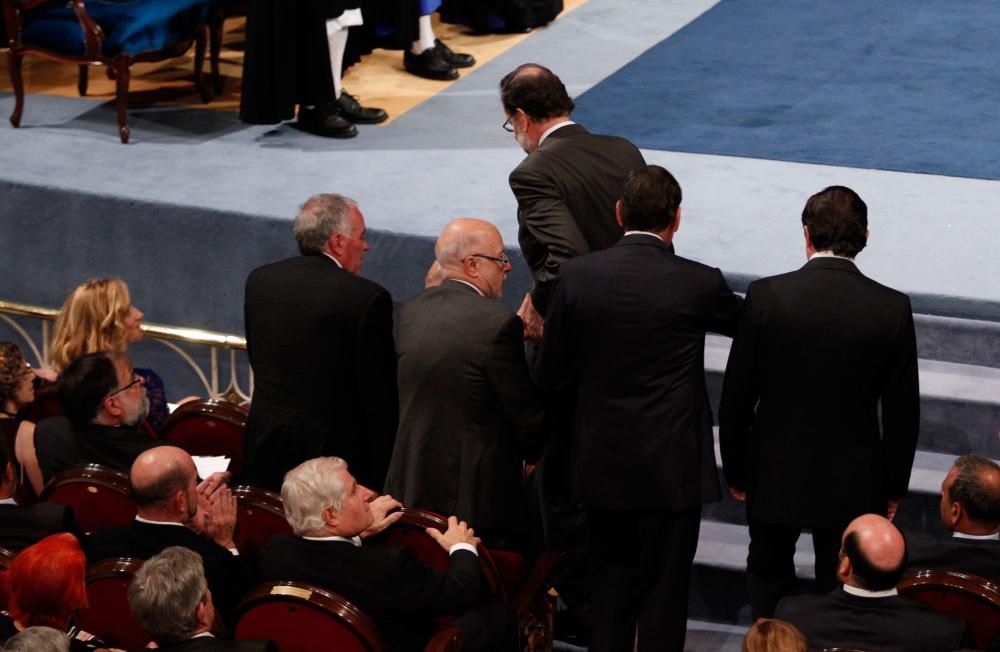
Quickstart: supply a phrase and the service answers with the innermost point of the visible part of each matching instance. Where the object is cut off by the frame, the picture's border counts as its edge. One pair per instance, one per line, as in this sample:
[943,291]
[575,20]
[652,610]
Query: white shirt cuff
[234,551]
[463,546]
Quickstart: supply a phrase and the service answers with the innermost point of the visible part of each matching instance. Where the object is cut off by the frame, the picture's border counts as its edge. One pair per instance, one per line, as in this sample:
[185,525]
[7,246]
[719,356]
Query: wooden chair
[209,427]
[972,598]
[115,34]
[6,556]
[107,615]
[98,495]
[219,11]
[260,516]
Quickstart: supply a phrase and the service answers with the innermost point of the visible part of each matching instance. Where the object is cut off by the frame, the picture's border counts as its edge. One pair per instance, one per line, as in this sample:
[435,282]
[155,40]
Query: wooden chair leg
[216,22]
[14,70]
[122,72]
[83,80]
[199,63]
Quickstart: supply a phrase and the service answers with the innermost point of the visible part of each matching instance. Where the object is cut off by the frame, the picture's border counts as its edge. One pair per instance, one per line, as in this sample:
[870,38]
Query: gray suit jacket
[469,412]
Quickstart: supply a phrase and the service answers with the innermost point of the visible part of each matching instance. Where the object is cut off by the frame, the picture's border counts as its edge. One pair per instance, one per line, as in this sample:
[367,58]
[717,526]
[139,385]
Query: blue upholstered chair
[112,33]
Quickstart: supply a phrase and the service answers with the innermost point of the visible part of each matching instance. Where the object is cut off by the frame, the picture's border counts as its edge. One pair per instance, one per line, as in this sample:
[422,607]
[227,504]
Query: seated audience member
[867,612]
[469,413]
[99,316]
[770,635]
[45,586]
[38,639]
[17,391]
[164,485]
[104,403]
[23,526]
[970,508]
[331,514]
[171,600]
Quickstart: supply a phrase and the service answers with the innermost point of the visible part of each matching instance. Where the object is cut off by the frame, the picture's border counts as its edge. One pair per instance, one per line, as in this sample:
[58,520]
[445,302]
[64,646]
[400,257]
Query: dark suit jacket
[469,411]
[891,624]
[979,557]
[320,343]
[59,446]
[631,320]
[566,192]
[816,351]
[227,577]
[21,527]
[210,644]
[386,582]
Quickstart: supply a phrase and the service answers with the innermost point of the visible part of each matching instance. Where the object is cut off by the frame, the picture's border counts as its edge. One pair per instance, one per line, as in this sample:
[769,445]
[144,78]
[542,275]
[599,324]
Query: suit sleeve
[544,214]
[901,408]
[740,392]
[508,373]
[377,383]
[437,592]
[555,363]
[725,309]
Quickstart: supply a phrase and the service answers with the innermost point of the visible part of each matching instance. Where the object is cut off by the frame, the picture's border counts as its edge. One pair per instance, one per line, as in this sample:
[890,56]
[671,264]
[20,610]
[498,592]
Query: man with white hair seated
[331,514]
[170,598]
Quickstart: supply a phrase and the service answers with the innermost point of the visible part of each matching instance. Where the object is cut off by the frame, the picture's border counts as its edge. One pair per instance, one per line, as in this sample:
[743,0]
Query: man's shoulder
[451,296]
[806,276]
[320,271]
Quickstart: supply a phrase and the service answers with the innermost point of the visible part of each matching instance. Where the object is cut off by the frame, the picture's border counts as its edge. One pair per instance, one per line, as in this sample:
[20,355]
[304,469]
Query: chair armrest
[537,583]
[93,35]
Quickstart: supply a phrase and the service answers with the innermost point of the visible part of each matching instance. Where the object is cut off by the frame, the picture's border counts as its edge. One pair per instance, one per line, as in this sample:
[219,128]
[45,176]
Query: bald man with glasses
[469,413]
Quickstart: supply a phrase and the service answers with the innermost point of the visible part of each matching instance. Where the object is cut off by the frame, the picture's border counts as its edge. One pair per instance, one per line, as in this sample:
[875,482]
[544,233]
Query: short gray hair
[38,639]
[310,488]
[976,494]
[165,593]
[319,218]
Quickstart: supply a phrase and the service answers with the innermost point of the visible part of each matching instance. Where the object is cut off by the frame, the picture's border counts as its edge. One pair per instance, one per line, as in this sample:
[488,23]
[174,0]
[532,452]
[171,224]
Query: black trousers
[771,565]
[640,574]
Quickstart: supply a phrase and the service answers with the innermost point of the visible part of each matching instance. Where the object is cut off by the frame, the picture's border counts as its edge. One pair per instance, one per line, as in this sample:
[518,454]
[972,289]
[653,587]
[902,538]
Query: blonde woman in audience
[771,635]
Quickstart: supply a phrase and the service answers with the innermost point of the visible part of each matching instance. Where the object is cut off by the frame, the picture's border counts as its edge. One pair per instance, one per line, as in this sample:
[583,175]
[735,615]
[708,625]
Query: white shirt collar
[864,593]
[8,501]
[458,280]
[553,128]
[354,540]
[829,254]
[649,233]
[146,520]
[977,537]
[333,259]
[204,635]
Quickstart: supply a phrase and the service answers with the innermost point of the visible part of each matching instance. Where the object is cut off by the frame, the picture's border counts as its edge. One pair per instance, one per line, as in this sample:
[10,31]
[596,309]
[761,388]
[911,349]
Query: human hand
[220,518]
[381,518]
[534,323]
[890,510]
[738,494]
[212,483]
[457,532]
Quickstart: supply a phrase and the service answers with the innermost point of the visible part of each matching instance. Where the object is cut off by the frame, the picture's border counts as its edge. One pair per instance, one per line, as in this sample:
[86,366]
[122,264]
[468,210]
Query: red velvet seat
[209,427]
[107,615]
[972,598]
[260,515]
[98,495]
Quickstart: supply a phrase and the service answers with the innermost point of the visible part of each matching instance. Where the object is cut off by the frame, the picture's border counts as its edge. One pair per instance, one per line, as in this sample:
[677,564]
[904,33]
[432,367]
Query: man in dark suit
[567,186]
[469,412]
[164,485]
[169,597]
[970,508]
[331,513]
[867,612]
[631,322]
[319,338]
[817,352]
[22,526]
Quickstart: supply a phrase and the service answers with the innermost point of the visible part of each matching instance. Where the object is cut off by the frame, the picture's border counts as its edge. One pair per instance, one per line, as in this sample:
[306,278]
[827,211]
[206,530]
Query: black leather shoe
[430,64]
[456,59]
[324,122]
[351,109]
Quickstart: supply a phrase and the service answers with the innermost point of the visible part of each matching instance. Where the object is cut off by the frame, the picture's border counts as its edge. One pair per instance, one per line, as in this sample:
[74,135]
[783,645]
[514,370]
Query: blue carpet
[893,84]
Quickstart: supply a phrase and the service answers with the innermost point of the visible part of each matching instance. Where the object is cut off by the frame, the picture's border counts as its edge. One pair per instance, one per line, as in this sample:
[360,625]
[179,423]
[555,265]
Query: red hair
[45,583]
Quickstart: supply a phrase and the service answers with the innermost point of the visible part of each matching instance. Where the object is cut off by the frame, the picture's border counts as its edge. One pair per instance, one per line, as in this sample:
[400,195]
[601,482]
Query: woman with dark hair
[17,391]
[44,585]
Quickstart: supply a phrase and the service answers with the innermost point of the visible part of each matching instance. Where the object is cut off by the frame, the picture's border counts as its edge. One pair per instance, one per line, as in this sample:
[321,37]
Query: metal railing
[165,335]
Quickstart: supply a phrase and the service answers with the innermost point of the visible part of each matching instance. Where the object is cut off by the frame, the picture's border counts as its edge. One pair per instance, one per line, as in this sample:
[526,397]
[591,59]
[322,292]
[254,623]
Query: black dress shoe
[351,109]
[430,64]
[456,59]
[322,121]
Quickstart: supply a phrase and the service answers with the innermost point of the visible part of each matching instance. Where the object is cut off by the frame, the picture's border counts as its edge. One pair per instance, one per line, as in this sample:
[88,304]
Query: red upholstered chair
[448,639]
[209,427]
[260,515]
[98,495]
[107,615]
[967,596]
[303,618]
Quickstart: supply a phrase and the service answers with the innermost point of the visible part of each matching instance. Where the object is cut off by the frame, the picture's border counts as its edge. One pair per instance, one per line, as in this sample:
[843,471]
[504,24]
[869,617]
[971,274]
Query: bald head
[873,553]
[471,250]
[163,481]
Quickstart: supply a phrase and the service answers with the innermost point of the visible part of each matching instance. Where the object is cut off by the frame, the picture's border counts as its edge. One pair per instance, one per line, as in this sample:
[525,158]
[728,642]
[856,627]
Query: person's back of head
[16,377]
[970,496]
[873,554]
[169,596]
[772,635]
[162,484]
[308,490]
[537,91]
[320,217]
[650,199]
[84,385]
[837,221]
[38,639]
[91,319]
[44,585]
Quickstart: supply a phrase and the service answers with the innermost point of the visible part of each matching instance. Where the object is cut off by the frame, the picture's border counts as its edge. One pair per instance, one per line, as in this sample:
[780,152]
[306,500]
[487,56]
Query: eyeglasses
[507,126]
[502,258]
[135,380]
